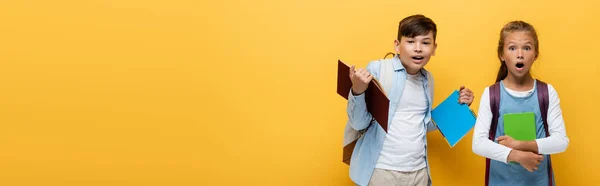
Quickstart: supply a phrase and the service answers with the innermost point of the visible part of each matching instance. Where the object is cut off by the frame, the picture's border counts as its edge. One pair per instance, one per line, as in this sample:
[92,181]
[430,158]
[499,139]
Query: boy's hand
[360,80]
[528,160]
[466,96]
[508,142]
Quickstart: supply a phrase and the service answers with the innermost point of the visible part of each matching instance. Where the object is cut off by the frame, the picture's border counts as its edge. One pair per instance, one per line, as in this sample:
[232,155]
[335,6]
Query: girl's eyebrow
[515,43]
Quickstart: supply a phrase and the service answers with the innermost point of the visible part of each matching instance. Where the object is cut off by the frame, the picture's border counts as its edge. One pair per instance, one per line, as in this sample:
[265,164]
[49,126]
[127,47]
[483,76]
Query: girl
[515,91]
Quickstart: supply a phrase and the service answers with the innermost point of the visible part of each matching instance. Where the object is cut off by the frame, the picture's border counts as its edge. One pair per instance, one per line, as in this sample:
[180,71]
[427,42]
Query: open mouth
[520,66]
[418,57]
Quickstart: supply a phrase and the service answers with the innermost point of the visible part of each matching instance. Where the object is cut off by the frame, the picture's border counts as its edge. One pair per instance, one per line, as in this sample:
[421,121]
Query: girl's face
[519,53]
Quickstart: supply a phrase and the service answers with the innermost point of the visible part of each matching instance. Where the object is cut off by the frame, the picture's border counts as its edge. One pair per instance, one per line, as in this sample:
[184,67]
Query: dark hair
[416,25]
[510,27]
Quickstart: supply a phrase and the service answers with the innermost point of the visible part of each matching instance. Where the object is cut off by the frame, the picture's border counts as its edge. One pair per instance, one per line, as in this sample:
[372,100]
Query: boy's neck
[412,71]
[519,84]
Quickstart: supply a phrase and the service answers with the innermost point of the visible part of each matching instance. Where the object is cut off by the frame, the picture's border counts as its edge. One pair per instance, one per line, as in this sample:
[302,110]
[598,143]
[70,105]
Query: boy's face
[415,52]
[519,53]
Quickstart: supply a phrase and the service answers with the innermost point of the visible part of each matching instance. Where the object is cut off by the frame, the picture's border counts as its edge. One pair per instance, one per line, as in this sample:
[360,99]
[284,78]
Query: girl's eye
[527,48]
[511,48]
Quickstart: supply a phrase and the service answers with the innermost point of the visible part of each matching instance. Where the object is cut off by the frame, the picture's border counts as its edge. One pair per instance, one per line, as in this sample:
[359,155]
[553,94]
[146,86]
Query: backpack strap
[542,91]
[494,92]
[386,74]
[543,98]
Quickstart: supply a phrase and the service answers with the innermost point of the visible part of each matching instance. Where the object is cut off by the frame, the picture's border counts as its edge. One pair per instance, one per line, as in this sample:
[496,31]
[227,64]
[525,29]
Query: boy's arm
[358,116]
[431,126]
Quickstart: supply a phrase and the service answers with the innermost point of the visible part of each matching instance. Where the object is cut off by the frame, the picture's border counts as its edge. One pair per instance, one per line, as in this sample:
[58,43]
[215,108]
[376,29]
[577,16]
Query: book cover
[454,120]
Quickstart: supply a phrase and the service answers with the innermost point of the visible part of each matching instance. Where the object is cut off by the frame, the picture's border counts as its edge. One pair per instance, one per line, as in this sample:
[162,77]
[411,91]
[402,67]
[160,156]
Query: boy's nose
[418,48]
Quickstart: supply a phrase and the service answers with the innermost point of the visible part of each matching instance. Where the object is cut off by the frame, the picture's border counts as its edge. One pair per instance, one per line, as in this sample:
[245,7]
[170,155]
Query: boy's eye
[411,41]
[426,43]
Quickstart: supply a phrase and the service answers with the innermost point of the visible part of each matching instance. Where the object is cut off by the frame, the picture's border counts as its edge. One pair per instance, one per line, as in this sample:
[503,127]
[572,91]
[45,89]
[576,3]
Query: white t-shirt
[556,143]
[404,145]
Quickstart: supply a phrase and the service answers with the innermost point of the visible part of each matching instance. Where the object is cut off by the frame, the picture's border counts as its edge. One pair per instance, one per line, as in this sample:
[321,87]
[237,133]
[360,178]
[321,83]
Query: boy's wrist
[354,93]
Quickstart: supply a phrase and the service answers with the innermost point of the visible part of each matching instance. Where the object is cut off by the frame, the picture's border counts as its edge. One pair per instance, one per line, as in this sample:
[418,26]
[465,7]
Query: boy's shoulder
[375,63]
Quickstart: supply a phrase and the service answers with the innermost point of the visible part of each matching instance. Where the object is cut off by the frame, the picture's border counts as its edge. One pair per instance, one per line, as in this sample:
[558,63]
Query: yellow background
[111,92]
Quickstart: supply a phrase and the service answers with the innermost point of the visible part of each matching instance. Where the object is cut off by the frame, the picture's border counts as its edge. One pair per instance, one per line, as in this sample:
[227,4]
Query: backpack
[543,98]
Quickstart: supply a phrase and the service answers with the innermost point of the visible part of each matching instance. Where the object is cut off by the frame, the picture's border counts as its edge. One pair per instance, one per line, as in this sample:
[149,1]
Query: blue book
[454,120]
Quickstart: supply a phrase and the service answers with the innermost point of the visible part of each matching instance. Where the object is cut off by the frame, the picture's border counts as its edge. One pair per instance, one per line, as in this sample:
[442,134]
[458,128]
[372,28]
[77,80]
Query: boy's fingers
[363,72]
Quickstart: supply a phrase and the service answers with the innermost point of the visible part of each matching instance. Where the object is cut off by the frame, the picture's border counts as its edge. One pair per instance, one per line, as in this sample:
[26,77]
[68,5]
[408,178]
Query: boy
[398,157]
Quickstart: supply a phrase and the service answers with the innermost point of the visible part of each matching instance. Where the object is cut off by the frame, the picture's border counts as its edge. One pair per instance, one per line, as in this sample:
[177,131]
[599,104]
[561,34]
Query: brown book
[377,102]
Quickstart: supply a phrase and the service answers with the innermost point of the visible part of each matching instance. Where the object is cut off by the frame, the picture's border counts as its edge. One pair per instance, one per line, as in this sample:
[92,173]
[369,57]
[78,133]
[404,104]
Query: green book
[520,126]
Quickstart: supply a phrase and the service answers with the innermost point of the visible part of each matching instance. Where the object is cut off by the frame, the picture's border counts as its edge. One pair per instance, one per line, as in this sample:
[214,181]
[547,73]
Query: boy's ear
[434,48]
[397,46]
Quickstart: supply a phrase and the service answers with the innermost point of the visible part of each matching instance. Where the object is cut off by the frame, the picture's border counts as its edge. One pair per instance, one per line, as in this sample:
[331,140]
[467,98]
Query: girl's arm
[482,145]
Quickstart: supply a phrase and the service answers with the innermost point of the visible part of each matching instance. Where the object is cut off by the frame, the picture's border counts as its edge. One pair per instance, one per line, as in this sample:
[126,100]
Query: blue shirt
[368,147]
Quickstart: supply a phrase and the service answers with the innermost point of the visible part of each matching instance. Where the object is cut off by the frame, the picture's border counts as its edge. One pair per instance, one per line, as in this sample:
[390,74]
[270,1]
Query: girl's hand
[508,142]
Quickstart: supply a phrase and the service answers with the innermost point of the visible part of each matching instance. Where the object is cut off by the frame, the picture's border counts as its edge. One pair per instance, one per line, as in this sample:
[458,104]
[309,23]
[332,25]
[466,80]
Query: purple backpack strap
[543,98]
[494,91]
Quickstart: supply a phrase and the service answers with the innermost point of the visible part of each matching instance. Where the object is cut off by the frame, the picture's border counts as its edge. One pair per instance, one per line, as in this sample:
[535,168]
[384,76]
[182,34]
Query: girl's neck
[519,84]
